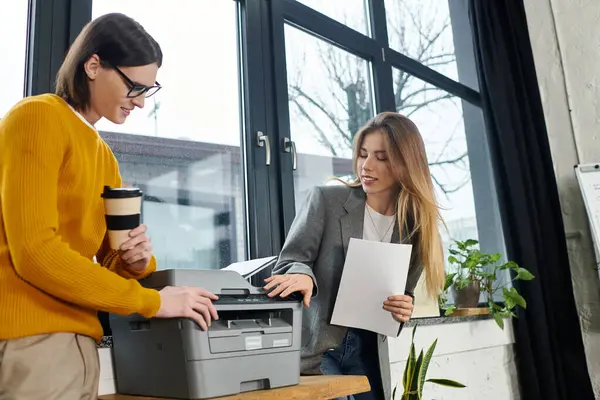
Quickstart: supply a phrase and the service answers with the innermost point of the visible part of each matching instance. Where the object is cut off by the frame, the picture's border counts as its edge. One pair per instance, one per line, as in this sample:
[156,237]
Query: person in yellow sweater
[53,168]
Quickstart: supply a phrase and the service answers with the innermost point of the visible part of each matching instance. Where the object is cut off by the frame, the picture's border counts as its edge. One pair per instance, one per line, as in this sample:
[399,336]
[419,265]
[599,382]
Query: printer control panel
[253,299]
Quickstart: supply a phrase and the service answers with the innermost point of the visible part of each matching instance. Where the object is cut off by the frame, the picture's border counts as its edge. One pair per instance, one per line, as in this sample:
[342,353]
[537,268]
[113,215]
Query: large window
[261,101]
[353,13]
[336,80]
[439,116]
[13,41]
[422,30]
[330,98]
[186,150]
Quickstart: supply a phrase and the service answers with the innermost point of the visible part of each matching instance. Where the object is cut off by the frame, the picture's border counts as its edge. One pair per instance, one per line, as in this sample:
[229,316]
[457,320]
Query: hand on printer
[188,302]
[287,284]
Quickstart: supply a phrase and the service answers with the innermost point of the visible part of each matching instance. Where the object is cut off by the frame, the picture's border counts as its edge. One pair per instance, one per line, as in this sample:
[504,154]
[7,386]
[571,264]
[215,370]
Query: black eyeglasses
[135,89]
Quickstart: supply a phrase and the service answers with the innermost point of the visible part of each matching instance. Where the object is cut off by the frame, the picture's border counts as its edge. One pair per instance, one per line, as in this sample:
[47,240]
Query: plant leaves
[410,364]
[462,283]
[470,242]
[449,279]
[516,298]
[509,265]
[524,275]
[408,370]
[450,310]
[414,381]
[446,382]
[485,259]
[453,260]
[471,264]
[487,275]
[508,299]
[499,320]
[425,367]
[415,373]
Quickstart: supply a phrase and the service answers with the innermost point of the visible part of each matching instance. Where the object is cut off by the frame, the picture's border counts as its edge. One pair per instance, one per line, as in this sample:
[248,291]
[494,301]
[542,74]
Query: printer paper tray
[249,341]
[244,335]
[237,327]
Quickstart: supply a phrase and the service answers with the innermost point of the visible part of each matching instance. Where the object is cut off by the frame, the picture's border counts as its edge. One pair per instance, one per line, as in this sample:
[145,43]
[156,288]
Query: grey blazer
[316,245]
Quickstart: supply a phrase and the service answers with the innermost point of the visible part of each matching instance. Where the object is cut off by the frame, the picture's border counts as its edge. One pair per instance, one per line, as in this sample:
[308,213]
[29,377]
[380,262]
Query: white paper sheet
[373,271]
[250,267]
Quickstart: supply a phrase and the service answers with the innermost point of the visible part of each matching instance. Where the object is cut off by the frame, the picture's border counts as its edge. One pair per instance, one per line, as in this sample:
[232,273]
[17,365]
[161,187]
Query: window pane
[13,42]
[421,29]
[183,148]
[329,94]
[439,116]
[353,13]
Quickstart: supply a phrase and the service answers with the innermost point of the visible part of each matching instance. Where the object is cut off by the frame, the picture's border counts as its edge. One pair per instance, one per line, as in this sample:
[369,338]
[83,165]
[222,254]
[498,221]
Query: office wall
[565,37]
[477,353]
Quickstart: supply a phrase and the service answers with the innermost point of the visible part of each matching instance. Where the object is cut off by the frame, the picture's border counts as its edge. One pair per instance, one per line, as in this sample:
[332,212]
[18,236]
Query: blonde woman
[392,200]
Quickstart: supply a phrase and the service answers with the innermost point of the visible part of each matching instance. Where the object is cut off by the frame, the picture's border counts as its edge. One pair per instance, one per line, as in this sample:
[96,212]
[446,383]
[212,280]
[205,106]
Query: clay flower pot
[467,297]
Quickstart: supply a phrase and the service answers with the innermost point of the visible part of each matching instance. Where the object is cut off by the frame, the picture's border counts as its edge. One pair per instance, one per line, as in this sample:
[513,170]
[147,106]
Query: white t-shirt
[81,117]
[377,227]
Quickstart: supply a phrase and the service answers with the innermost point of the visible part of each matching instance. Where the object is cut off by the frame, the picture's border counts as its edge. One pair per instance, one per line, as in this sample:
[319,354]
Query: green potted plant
[477,272]
[415,373]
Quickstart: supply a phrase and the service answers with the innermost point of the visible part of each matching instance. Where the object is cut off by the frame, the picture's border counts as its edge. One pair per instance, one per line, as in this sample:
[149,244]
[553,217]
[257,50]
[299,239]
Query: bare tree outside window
[336,111]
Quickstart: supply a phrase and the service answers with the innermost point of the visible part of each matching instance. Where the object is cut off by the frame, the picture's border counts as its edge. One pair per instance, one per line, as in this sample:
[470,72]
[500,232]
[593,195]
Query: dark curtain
[550,354]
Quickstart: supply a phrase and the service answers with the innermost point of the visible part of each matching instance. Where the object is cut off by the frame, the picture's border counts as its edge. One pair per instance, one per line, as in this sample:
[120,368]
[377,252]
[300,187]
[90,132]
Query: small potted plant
[415,374]
[477,272]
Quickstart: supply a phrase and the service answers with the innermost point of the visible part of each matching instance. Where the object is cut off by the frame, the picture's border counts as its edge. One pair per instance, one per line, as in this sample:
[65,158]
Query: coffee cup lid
[121,193]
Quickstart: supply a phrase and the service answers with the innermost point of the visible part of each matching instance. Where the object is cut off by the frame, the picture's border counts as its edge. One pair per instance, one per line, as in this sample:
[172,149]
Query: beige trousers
[57,366]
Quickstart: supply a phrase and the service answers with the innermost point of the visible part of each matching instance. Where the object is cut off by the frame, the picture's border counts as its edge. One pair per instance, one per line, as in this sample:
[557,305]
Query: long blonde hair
[418,210]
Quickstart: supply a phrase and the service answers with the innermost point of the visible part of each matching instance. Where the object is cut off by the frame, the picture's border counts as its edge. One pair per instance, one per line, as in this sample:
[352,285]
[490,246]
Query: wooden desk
[310,388]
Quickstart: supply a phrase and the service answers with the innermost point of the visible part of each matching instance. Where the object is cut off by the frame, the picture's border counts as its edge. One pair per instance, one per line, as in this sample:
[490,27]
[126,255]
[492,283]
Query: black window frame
[376,50]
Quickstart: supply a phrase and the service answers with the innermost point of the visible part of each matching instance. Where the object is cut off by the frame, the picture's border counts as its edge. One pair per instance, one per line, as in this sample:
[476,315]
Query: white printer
[254,345]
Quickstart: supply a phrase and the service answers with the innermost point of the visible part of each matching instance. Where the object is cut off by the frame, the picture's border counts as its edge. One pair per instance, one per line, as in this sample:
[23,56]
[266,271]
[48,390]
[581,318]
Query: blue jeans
[356,355]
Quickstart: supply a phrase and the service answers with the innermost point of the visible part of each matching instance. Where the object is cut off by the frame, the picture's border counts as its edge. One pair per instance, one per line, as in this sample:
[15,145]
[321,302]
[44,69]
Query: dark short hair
[118,40]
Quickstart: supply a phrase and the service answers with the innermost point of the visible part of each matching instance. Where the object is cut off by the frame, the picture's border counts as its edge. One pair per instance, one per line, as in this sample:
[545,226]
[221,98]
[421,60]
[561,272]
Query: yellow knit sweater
[53,167]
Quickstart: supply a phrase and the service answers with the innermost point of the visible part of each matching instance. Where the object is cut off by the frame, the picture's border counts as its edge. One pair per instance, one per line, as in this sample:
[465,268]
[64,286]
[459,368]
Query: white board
[588,177]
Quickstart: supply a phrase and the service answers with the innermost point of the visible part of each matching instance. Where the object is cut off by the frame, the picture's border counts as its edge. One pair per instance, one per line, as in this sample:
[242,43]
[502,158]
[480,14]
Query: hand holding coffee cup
[136,252]
[122,208]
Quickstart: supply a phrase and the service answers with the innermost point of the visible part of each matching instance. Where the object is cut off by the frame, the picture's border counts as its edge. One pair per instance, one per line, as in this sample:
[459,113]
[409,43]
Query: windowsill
[422,321]
[106,342]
